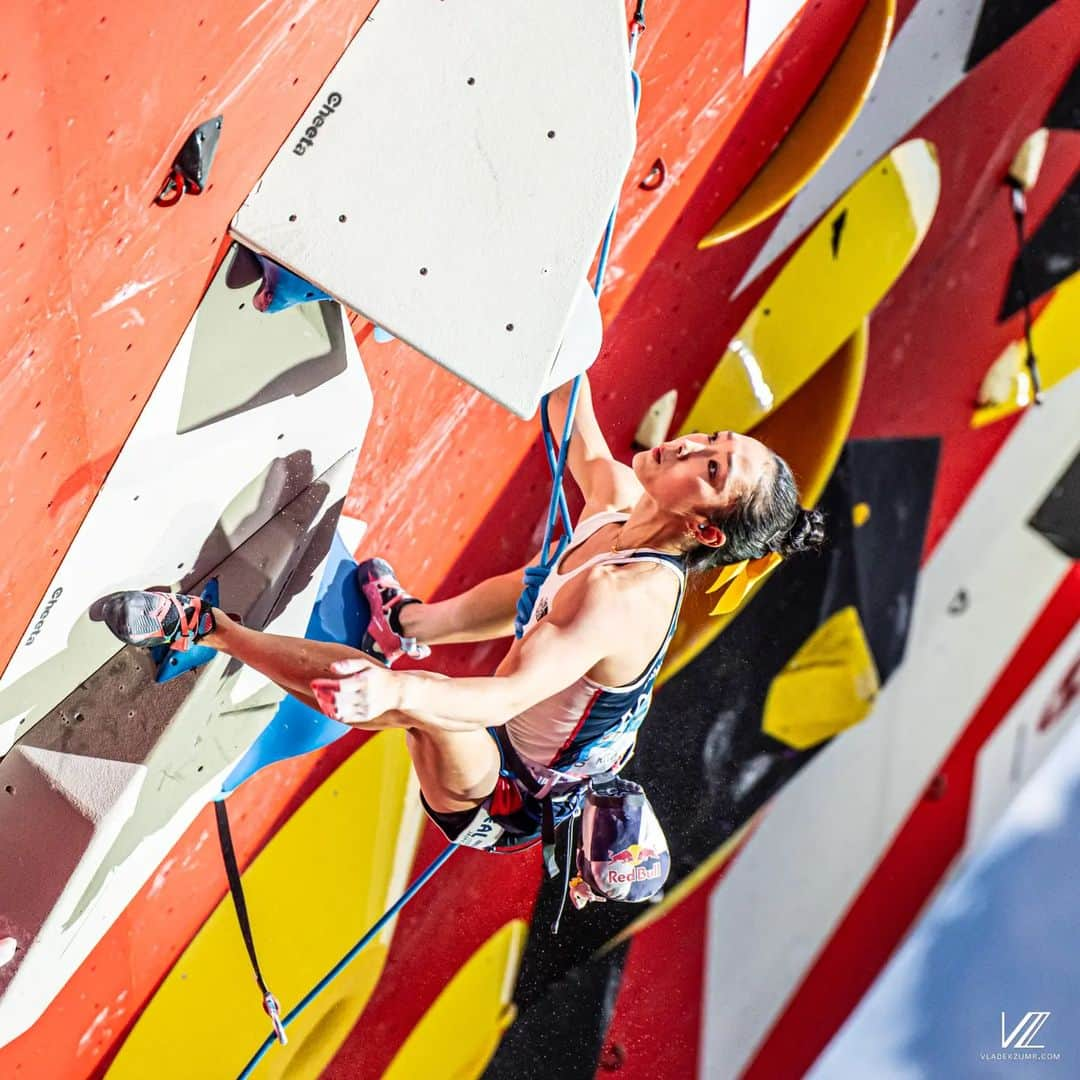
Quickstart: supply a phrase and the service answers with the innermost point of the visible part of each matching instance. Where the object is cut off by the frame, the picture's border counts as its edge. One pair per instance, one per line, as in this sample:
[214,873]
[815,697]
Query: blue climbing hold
[340,614]
[382,336]
[282,288]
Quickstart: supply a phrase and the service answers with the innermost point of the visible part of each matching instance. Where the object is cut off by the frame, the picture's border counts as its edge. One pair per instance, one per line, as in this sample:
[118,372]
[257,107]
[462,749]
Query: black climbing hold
[999,20]
[191,169]
[960,602]
[1065,112]
[837,232]
[1058,516]
[1051,254]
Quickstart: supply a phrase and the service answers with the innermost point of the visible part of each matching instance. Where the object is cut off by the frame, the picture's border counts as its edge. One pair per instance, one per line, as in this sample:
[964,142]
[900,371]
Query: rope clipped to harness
[558,511]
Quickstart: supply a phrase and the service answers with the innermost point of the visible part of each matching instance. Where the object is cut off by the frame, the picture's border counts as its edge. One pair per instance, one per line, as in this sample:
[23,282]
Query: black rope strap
[232,872]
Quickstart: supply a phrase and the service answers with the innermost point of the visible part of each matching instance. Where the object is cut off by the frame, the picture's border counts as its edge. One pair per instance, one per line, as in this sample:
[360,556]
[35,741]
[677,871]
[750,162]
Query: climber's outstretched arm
[565,646]
[606,484]
[484,612]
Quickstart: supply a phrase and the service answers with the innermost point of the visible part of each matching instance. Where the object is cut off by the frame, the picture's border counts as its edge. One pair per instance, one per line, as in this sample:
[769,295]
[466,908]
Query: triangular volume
[1064,114]
[92,786]
[1051,254]
[999,21]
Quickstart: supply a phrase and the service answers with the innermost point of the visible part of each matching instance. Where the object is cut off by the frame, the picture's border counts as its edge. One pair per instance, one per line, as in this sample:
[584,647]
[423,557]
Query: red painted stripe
[912,868]
[573,734]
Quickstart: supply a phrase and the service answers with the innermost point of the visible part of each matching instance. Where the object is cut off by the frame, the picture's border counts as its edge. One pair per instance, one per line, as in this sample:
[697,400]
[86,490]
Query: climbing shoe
[383,636]
[157,618]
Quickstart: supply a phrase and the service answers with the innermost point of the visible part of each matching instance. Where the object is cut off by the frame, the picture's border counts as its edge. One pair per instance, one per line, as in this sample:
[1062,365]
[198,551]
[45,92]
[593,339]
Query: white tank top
[588,728]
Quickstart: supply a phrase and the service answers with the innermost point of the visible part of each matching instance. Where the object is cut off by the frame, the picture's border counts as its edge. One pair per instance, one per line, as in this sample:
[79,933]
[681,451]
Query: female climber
[566,701]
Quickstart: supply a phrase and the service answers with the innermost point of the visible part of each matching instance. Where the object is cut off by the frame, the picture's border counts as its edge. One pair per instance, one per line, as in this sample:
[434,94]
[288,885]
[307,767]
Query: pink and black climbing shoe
[383,636]
[157,618]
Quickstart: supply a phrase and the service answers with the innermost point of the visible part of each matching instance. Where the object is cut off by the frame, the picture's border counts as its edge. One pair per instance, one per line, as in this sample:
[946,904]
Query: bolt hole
[135,498]
[509,326]
[471,81]
[341,217]
[423,271]
[292,217]
[9,789]
[551,134]
[281,436]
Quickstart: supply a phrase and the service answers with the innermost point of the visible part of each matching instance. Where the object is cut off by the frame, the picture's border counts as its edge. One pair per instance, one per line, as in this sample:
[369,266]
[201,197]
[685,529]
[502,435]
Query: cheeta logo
[316,122]
[36,628]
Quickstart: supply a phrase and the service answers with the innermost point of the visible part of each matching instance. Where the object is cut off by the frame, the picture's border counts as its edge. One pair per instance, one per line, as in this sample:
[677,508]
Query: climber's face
[698,474]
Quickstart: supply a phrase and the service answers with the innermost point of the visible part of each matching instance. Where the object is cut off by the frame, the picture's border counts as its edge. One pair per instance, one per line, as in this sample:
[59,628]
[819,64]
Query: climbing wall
[824,703]
[236,469]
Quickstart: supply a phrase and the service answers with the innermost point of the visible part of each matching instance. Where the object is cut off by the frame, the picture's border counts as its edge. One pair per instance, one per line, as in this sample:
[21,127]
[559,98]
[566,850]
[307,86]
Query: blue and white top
[588,728]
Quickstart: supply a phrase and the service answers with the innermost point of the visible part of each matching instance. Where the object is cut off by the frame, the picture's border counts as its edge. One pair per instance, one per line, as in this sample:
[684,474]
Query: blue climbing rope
[351,955]
[558,511]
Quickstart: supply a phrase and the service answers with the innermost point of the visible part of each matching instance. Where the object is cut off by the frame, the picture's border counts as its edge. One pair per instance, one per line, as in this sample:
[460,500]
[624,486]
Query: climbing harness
[483,832]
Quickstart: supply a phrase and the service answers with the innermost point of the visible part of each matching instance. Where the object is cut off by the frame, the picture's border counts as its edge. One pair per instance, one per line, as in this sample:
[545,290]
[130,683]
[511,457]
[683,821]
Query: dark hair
[769,518]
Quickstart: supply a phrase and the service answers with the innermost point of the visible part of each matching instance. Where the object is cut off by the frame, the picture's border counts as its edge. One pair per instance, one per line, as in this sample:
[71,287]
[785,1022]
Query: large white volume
[452,178]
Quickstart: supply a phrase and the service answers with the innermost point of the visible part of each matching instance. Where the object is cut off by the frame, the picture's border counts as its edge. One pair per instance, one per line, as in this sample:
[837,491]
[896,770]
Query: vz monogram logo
[1020,1037]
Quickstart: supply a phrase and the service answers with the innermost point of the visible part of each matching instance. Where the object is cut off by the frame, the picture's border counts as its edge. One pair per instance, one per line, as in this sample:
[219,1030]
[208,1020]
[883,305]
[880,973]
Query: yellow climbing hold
[840,272]
[860,514]
[1055,333]
[827,686]
[737,579]
[458,1035]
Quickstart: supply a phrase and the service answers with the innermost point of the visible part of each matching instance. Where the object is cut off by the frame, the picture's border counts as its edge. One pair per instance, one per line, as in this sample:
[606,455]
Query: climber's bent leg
[292,663]
[457,769]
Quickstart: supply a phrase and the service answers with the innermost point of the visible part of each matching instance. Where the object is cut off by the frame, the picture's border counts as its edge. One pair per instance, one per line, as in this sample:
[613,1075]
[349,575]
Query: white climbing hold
[8,946]
[1027,164]
[656,422]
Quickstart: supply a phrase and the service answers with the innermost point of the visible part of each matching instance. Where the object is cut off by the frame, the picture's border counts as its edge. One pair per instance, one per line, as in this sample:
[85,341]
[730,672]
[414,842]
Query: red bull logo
[632,864]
